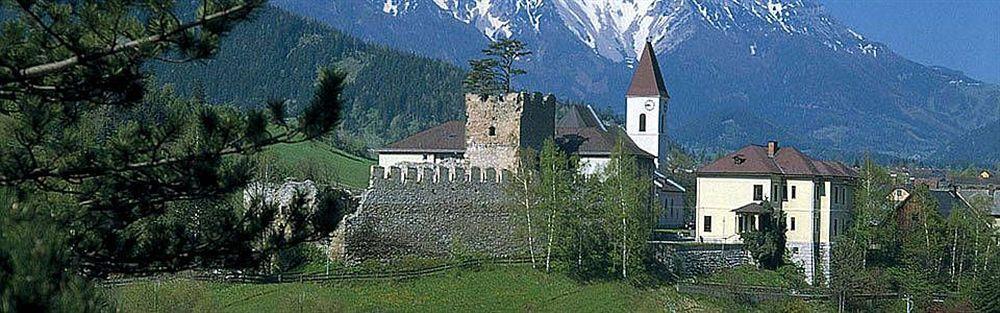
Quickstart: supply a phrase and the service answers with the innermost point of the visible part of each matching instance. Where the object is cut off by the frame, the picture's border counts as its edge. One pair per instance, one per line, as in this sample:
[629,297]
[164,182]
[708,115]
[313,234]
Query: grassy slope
[318,161]
[489,289]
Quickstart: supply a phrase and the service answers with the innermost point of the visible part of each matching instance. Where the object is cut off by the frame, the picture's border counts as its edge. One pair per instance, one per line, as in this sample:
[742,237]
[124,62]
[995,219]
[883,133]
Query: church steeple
[646,107]
[647,80]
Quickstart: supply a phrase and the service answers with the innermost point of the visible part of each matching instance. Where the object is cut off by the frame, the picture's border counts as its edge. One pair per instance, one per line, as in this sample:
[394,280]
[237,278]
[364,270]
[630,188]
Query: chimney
[772,148]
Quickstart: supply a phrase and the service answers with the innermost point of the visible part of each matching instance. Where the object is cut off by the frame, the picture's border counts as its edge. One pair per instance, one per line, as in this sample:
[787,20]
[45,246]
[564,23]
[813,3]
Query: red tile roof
[585,140]
[447,137]
[647,80]
[754,159]
[593,141]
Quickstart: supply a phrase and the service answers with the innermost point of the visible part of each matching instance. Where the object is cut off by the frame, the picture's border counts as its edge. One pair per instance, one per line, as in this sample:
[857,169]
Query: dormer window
[642,122]
[493,131]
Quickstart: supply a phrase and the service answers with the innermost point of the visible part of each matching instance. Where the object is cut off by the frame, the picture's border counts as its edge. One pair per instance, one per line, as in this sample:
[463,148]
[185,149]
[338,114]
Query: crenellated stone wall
[432,211]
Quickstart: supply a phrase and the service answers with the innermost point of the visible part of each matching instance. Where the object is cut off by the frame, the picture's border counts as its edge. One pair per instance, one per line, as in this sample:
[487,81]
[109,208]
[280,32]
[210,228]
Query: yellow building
[815,195]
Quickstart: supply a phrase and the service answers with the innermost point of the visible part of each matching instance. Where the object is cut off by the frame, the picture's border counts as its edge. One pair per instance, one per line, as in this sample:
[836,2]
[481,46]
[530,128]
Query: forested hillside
[390,94]
[978,147]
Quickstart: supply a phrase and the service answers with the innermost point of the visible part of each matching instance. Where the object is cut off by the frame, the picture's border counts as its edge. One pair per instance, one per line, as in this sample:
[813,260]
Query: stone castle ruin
[497,127]
[437,210]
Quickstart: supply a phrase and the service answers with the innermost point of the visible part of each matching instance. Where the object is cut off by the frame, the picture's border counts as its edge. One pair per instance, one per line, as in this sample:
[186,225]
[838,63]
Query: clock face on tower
[650,105]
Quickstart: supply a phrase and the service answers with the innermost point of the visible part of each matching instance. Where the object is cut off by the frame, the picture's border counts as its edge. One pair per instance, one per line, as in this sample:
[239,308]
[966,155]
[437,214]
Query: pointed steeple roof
[647,80]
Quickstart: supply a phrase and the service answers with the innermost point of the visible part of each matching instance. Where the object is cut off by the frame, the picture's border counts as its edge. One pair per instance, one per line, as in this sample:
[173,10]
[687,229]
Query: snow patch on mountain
[617,29]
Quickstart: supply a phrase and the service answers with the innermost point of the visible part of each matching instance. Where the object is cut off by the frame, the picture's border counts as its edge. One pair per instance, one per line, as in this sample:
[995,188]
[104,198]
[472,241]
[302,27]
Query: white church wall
[592,165]
[389,160]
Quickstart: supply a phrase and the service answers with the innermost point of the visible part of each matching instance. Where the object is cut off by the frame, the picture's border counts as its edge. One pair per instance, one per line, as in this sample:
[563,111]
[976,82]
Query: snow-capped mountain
[617,29]
[727,63]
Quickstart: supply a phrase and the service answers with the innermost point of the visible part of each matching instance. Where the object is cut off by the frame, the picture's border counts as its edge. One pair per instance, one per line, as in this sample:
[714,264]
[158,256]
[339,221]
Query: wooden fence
[753,294]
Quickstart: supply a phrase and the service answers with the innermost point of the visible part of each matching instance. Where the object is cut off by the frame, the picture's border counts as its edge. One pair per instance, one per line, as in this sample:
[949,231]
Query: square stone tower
[499,126]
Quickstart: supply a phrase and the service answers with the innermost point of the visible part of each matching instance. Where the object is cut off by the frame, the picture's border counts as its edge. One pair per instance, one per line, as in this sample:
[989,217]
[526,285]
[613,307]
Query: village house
[502,127]
[815,195]
[947,200]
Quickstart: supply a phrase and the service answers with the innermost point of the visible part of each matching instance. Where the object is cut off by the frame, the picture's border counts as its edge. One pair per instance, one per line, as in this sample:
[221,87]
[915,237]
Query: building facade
[816,197]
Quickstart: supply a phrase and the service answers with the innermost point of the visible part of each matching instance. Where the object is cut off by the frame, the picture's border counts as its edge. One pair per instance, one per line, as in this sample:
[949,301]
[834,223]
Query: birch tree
[628,191]
[555,187]
[874,215]
[524,188]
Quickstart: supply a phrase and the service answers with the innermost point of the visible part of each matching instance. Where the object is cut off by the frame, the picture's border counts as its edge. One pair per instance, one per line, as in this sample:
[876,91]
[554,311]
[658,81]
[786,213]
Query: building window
[836,195]
[424,156]
[834,227]
[493,131]
[793,192]
[642,122]
[784,193]
[791,223]
[774,193]
[758,192]
[740,220]
[707,224]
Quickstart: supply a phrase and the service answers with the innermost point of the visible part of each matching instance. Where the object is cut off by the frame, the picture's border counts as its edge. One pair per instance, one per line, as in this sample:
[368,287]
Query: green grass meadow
[317,161]
[487,289]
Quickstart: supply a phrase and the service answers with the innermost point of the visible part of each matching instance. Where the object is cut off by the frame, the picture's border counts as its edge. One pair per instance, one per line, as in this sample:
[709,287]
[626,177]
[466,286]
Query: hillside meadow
[487,289]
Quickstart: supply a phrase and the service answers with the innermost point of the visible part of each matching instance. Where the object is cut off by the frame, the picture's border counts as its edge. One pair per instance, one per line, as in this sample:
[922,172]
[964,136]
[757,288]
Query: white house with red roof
[817,197]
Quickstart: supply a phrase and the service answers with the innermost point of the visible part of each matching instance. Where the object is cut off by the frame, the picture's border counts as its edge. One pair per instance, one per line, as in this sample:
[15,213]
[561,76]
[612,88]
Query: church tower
[646,107]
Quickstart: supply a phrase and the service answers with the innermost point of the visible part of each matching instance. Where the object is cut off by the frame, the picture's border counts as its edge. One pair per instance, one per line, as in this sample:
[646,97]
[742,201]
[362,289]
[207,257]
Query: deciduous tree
[627,199]
[767,243]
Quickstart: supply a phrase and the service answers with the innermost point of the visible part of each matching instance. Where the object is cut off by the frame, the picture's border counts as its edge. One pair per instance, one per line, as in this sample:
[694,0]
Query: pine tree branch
[54,67]
[98,171]
[26,8]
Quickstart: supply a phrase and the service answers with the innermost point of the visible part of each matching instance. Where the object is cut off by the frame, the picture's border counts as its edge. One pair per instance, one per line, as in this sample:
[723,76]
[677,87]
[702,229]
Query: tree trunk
[527,211]
[553,203]
[622,204]
[548,250]
[954,253]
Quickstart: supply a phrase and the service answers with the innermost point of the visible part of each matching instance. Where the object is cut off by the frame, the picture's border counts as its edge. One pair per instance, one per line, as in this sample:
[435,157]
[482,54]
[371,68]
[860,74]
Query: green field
[317,161]
[488,289]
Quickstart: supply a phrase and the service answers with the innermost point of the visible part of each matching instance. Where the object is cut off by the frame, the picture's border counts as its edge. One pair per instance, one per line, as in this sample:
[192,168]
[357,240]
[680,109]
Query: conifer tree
[482,78]
[506,52]
[138,182]
[495,74]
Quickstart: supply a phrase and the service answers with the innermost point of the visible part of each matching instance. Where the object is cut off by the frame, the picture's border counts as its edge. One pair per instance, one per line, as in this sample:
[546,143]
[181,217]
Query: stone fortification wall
[497,127]
[432,211]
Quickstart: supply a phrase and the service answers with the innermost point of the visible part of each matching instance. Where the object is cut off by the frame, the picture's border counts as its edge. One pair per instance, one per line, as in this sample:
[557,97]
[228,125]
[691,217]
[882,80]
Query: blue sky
[958,34]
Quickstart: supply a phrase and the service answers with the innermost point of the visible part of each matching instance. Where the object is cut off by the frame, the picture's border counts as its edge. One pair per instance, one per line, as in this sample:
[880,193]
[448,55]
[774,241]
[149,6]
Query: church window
[707,224]
[642,122]
[493,131]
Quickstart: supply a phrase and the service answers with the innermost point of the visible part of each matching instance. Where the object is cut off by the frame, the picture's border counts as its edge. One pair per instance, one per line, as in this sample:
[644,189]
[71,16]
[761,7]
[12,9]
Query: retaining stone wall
[685,260]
